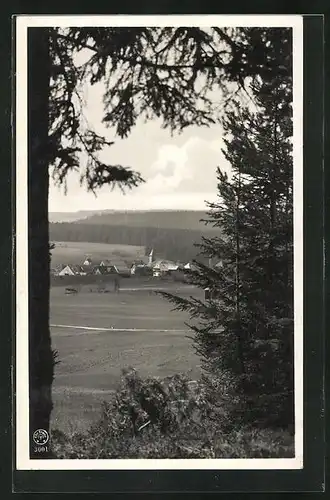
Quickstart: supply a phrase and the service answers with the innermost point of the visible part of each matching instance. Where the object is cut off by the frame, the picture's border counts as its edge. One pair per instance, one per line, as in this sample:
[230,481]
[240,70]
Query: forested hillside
[174,244]
[165,219]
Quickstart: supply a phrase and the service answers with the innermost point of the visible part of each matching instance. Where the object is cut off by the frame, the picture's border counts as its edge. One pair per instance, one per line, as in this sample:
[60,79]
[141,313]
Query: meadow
[74,252]
[99,334]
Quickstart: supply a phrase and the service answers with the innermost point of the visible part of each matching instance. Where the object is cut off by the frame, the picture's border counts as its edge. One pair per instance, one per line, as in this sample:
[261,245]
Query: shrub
[170,418]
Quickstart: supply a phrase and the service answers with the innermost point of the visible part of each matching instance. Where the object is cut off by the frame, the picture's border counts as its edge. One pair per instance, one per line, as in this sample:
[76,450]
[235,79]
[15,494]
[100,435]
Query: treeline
[169,219]
[173,244]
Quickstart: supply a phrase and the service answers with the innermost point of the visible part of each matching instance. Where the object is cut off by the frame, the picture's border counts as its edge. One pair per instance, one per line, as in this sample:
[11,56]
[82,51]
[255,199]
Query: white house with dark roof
[70,270]
[66,271]
[163,266]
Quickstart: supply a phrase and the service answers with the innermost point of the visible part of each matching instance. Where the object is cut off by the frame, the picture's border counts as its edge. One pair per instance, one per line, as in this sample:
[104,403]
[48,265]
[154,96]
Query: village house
[190,266]
[71,270]
[107,266]
[57,269]
[105,263]
[156,268]
[120,267]
[163,266]
[104,270]
[87,261]
[144,266]
[141,268]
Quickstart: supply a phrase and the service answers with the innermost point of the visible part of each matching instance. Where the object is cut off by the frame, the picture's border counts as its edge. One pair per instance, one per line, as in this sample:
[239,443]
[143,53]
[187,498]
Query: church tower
[151,257]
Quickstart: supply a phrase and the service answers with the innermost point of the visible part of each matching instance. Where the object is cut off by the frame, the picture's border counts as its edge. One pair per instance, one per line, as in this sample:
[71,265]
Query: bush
[170,418]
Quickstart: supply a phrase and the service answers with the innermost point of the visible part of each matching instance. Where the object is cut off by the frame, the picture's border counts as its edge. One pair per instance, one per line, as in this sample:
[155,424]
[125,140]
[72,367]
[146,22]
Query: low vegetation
[172,418]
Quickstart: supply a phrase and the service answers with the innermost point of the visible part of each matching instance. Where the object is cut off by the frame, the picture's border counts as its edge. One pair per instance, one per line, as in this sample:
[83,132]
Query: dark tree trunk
[41,365]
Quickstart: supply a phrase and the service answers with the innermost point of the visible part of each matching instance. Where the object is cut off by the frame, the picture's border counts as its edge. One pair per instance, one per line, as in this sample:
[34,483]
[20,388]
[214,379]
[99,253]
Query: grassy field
[71,252]
[97,335]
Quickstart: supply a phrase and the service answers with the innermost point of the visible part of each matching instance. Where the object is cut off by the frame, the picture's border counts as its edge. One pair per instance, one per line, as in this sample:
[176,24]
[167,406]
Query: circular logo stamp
[40,437]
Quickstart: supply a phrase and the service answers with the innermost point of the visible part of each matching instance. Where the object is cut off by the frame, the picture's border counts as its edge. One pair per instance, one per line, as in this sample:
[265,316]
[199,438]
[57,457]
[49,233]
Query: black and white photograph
[159,230]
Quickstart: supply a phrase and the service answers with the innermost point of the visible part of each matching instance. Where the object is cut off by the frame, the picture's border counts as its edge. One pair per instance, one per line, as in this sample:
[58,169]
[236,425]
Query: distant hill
[72,216]
[171,233]
[164,219]
[174,244]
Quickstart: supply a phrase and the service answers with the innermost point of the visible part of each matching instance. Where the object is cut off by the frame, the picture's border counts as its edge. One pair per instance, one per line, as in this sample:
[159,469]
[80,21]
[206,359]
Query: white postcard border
[23,462]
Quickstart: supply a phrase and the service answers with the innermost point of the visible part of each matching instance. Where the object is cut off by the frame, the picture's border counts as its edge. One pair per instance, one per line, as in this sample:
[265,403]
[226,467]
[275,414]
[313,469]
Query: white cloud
[180,172]
[190,167]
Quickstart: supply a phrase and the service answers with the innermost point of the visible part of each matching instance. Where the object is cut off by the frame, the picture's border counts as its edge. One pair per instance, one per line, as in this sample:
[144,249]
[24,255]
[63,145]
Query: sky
[179,170]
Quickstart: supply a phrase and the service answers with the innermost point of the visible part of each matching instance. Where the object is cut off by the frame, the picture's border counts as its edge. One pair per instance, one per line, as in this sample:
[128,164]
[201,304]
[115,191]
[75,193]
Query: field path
[100,329]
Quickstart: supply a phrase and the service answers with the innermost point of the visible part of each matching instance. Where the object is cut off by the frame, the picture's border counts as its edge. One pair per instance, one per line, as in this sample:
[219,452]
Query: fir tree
[246,328]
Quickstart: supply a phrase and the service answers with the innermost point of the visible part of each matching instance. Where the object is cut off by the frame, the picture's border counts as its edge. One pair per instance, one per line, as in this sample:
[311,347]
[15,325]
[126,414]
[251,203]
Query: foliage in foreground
[171,418]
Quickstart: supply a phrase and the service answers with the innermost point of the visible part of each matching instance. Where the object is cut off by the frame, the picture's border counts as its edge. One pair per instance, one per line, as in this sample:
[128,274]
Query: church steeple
[151,257]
